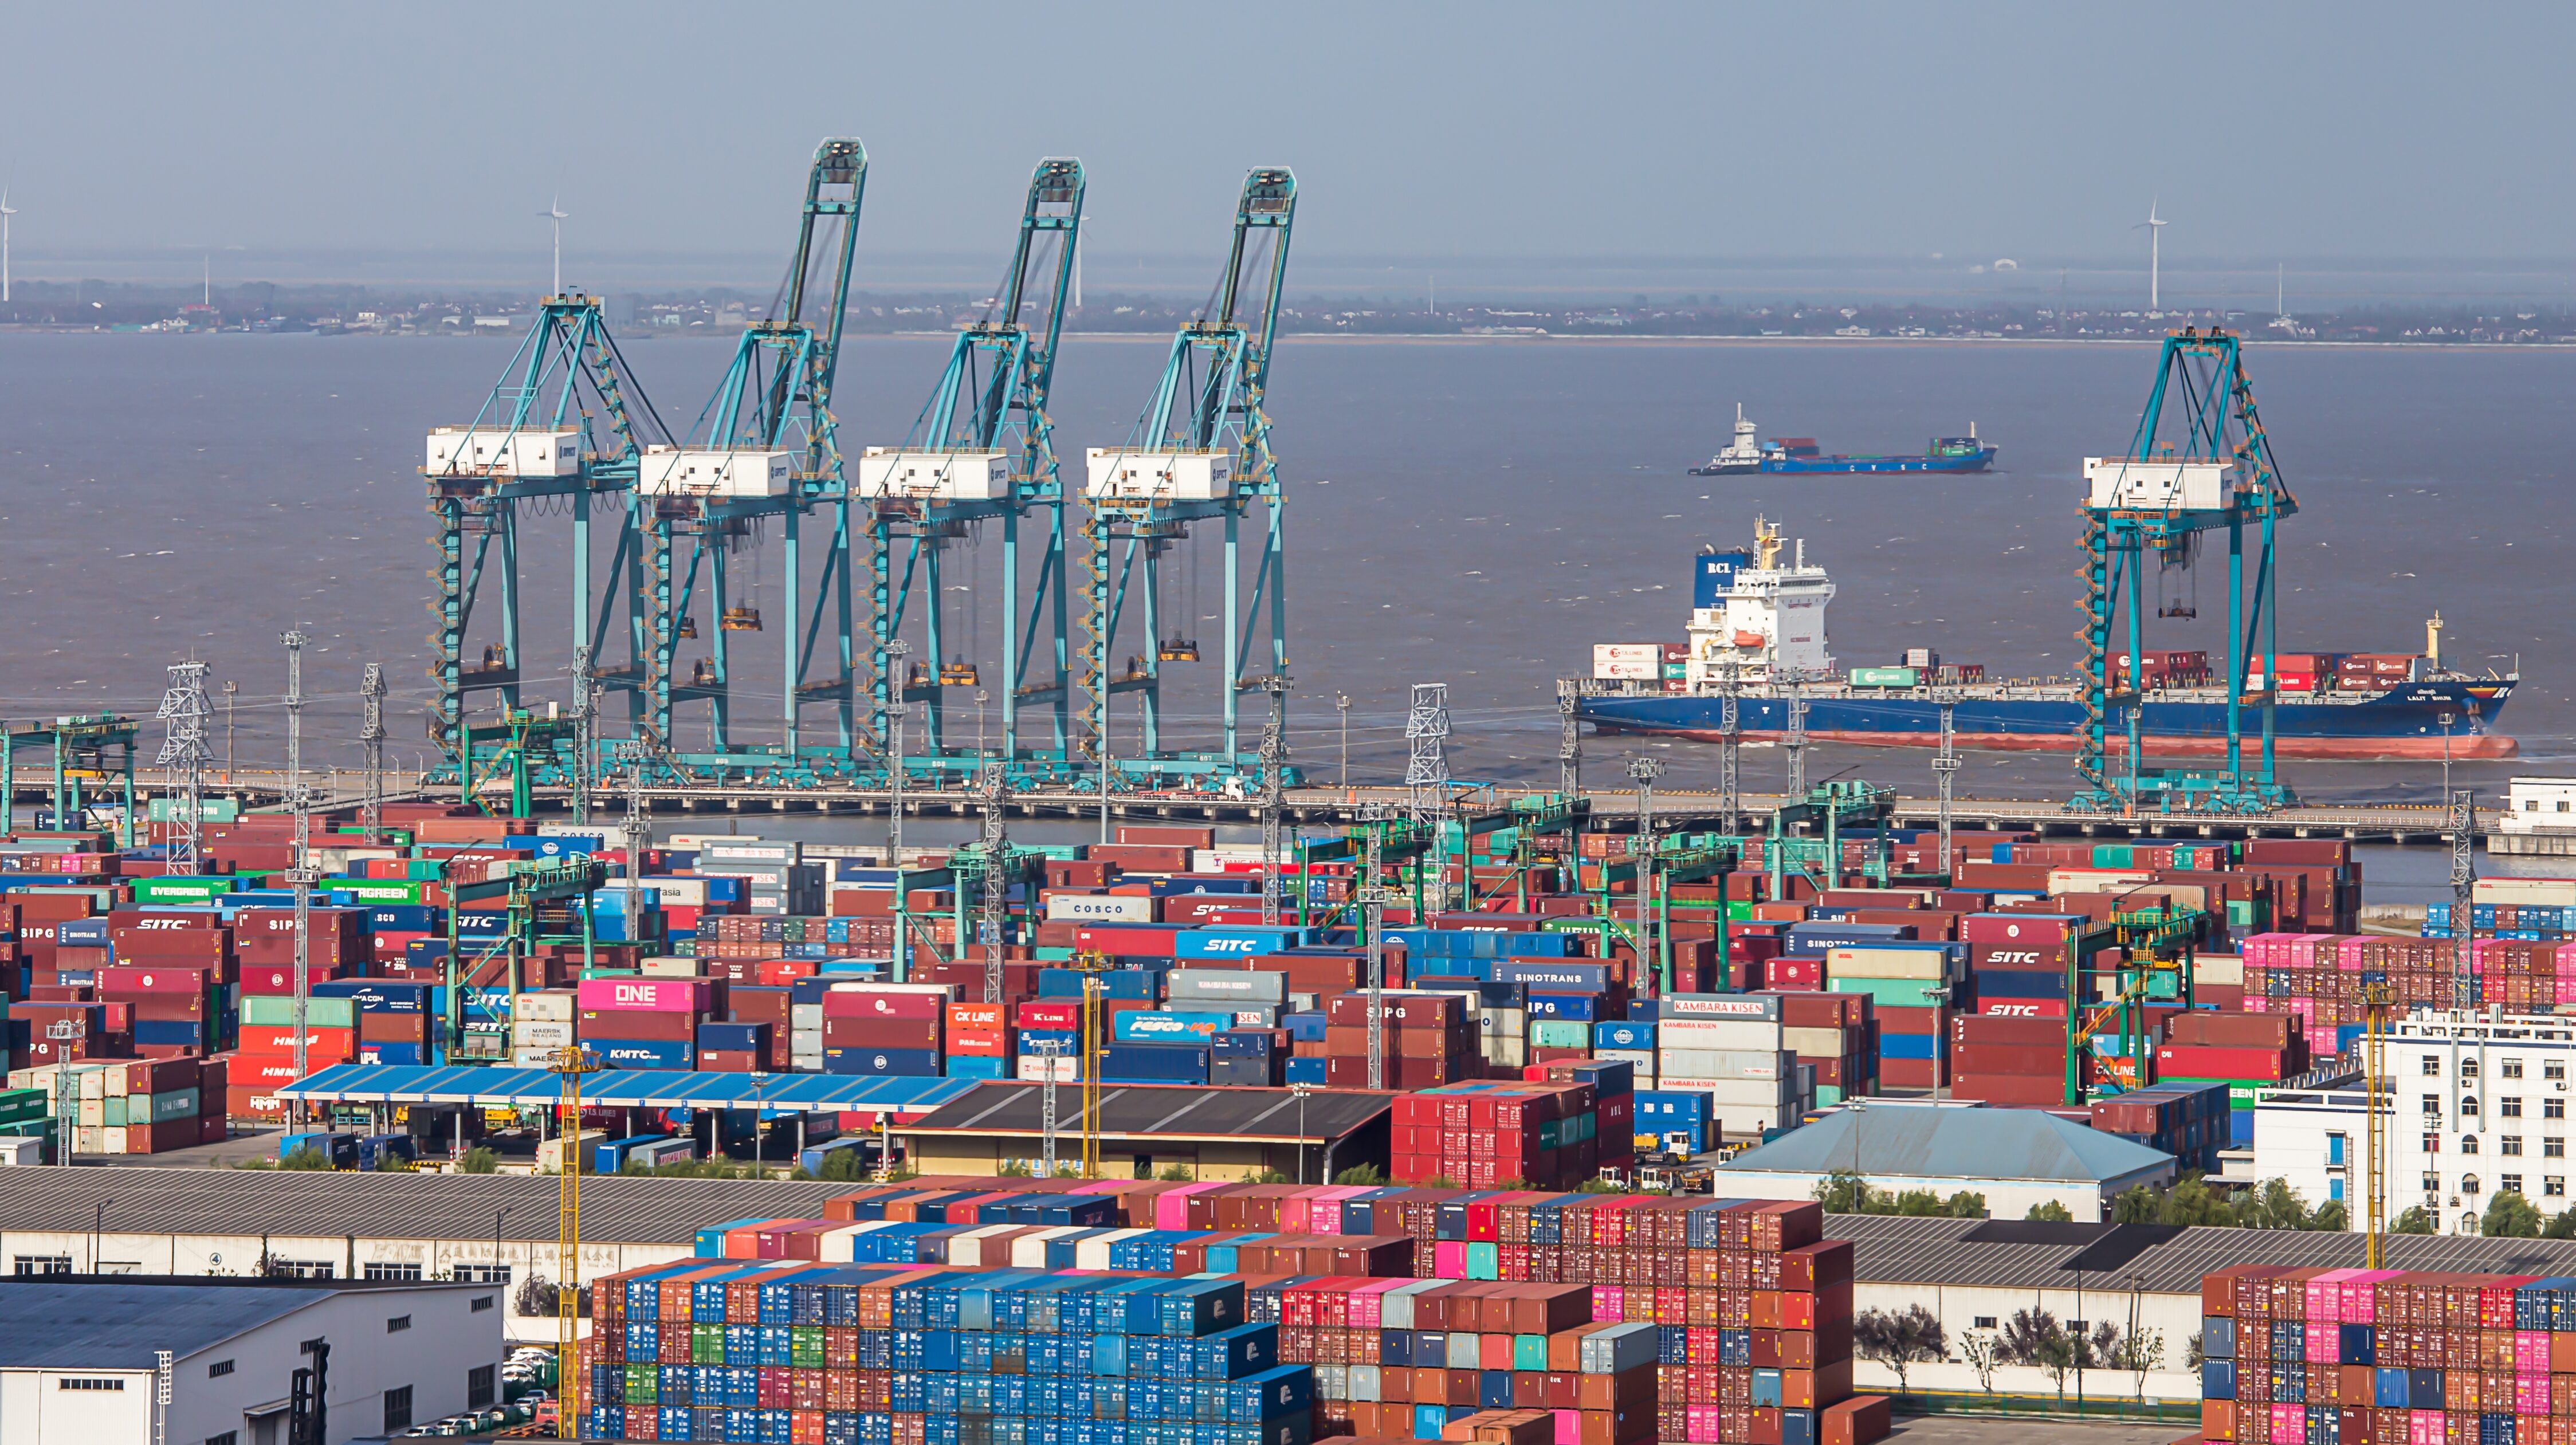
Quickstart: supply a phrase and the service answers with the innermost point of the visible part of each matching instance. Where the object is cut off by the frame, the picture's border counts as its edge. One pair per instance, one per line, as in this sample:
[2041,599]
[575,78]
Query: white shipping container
[2209,968]
[1726,1063]
[1240,985]
[1918,963]
[1034,1070]
[1099,908]
[2159,485]
[552,1005]
[840,1246]
[1093,1253]
[1628,661]
[678,892]
[2540,892]
[751,850]
[960,476]
[1686,1006]
[1813,1043]
[537,1034]
[1117,474]
[805,1018]
[1642,1061]
[1756,1035]
[499,451]
[1509,1052]
[688,472]
[531,1058]
[1214,860]
[667,967]
[1029,1250]
[550,1154]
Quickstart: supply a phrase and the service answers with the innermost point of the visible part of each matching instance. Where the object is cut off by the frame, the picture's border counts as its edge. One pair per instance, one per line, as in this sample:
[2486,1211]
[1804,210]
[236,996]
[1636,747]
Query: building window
[2469,1067]
[2468,1184]
[2511,1144]
[2512,1068]
[2509,1183]
[391,1271]
[2432,1066]
[2432,1183]
[478,1387]
[2334,1151]
[41,1264]
[2553,1108]
[398,1408]
[2468,1106]
[302,1269]
[2554,1185]
[229,1437]
[2432,1103]
[481,1274]
[2553,1148]
[2468,1143]
[1984,1322]
[397,1324]
[88,1382]
[2432,1143]
[481,1303]
[2511,1108]
[219,1369]
[2553,1068]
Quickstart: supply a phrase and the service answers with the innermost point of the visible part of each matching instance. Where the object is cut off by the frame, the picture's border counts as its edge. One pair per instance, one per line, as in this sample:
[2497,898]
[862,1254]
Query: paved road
[1986,1430]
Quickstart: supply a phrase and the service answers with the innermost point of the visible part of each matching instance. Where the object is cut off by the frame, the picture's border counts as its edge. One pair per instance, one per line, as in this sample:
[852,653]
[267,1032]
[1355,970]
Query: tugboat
[1746,455]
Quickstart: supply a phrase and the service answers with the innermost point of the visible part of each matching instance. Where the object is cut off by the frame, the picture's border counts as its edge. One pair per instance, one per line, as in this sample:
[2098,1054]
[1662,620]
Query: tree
[2137,1204]
[2414,1221]
[2510,1216]
[1361,1174]
[1900,1339]
[2141,1354]
[2193,1355]
[479,1160]
[1014,1169]
[1843,1192]
[842,1166]
[305,1157]
[1981,1352]
[2332,1218]
[2562,1225]
[2050,1211]
[2034,1337]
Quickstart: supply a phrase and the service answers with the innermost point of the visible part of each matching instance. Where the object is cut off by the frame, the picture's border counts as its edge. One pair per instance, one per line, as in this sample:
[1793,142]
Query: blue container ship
[1758,623]
[1746,456]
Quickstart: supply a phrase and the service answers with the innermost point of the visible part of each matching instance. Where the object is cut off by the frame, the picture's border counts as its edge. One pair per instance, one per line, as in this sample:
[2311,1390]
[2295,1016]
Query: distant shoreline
[1431,338]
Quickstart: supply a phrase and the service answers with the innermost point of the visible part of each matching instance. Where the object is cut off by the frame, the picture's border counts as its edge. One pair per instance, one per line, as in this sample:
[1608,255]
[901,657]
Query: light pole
[499,1275]
[759,1084]
[1342,704]
[63,1033]
[97,1225]
[1301,1091]
[2447,720]
[896,652]
[981,697]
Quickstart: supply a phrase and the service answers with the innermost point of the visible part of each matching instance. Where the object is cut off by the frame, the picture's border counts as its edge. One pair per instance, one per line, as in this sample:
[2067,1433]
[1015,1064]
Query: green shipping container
[182,890]
[2114,855]
[1883,677]
[1828,1095]
[1739,911]
[209,810]
[375,890]
[173,1104]
[277,1011]
[17,1105]
[1894,992]
[115,1114]
[1560,1034]
[2240,1092]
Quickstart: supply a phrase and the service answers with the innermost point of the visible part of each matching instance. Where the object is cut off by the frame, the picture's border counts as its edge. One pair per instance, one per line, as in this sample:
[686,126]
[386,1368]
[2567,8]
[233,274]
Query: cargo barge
[1748,456]
[1758,625]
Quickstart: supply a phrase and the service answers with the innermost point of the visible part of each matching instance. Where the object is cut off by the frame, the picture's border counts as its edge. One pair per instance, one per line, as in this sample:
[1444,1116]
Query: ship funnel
[2433,641]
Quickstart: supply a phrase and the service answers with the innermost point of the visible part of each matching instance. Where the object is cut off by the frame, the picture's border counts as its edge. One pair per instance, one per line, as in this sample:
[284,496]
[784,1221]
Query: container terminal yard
[1452,1110]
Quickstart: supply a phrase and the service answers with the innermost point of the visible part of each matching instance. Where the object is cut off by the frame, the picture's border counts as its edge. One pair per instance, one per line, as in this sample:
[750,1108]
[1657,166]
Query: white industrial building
[2016,1158]
[2312,1140]
[84,1361]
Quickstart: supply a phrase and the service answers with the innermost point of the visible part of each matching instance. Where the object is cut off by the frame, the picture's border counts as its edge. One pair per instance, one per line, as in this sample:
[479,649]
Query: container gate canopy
[485,1085]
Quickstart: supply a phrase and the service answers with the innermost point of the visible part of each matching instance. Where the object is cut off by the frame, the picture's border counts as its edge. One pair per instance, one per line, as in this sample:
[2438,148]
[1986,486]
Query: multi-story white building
[2481,1103]
[2312,1140]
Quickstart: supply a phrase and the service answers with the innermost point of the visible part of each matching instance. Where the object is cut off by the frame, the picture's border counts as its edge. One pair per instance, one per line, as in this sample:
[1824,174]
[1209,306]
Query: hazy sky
[1504,129]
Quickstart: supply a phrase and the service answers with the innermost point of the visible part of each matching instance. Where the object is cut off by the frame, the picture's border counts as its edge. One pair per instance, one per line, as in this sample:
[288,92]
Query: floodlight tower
[1201,452]
[2217,474]
[184,756]
[982,450]
[565,424]
[763,450]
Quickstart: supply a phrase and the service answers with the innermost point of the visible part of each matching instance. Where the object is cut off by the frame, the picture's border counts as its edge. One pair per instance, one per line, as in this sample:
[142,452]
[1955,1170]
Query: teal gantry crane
[1201,452]
[982,450]
[563,428]
[763,449]
[2215,472]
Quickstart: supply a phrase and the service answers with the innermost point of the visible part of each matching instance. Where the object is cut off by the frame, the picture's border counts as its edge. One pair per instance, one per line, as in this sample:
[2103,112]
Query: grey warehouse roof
[1163,1111]
[1966,1145]
[2004,1254]
[110,1326]
[615,1209]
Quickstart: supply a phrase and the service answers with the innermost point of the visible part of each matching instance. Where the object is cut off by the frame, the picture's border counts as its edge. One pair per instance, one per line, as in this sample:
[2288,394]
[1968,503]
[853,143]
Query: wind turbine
[6,211]
[555,212]
[2155,255]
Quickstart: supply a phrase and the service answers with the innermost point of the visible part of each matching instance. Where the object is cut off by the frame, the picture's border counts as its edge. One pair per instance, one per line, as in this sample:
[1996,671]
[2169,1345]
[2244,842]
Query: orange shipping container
[975,1015]
[979,1043]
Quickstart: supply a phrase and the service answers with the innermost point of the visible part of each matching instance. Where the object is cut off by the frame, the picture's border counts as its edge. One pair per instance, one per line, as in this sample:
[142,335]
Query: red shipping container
[875,1033]
[2184,1061]
[334,1045]
[156,979]
[1126,940]
[2024,929]
[843,1003]
[643,1025]
[2006,1089]
[2022,1008]
[280,979]
[189,945]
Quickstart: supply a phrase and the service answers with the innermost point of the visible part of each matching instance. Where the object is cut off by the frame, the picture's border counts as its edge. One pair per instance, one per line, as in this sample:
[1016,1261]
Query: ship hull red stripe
[2480,747]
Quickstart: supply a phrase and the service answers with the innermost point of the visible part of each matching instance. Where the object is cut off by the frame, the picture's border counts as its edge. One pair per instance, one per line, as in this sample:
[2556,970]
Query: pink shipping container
[649,995]
[2040,928]
[843,1003]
